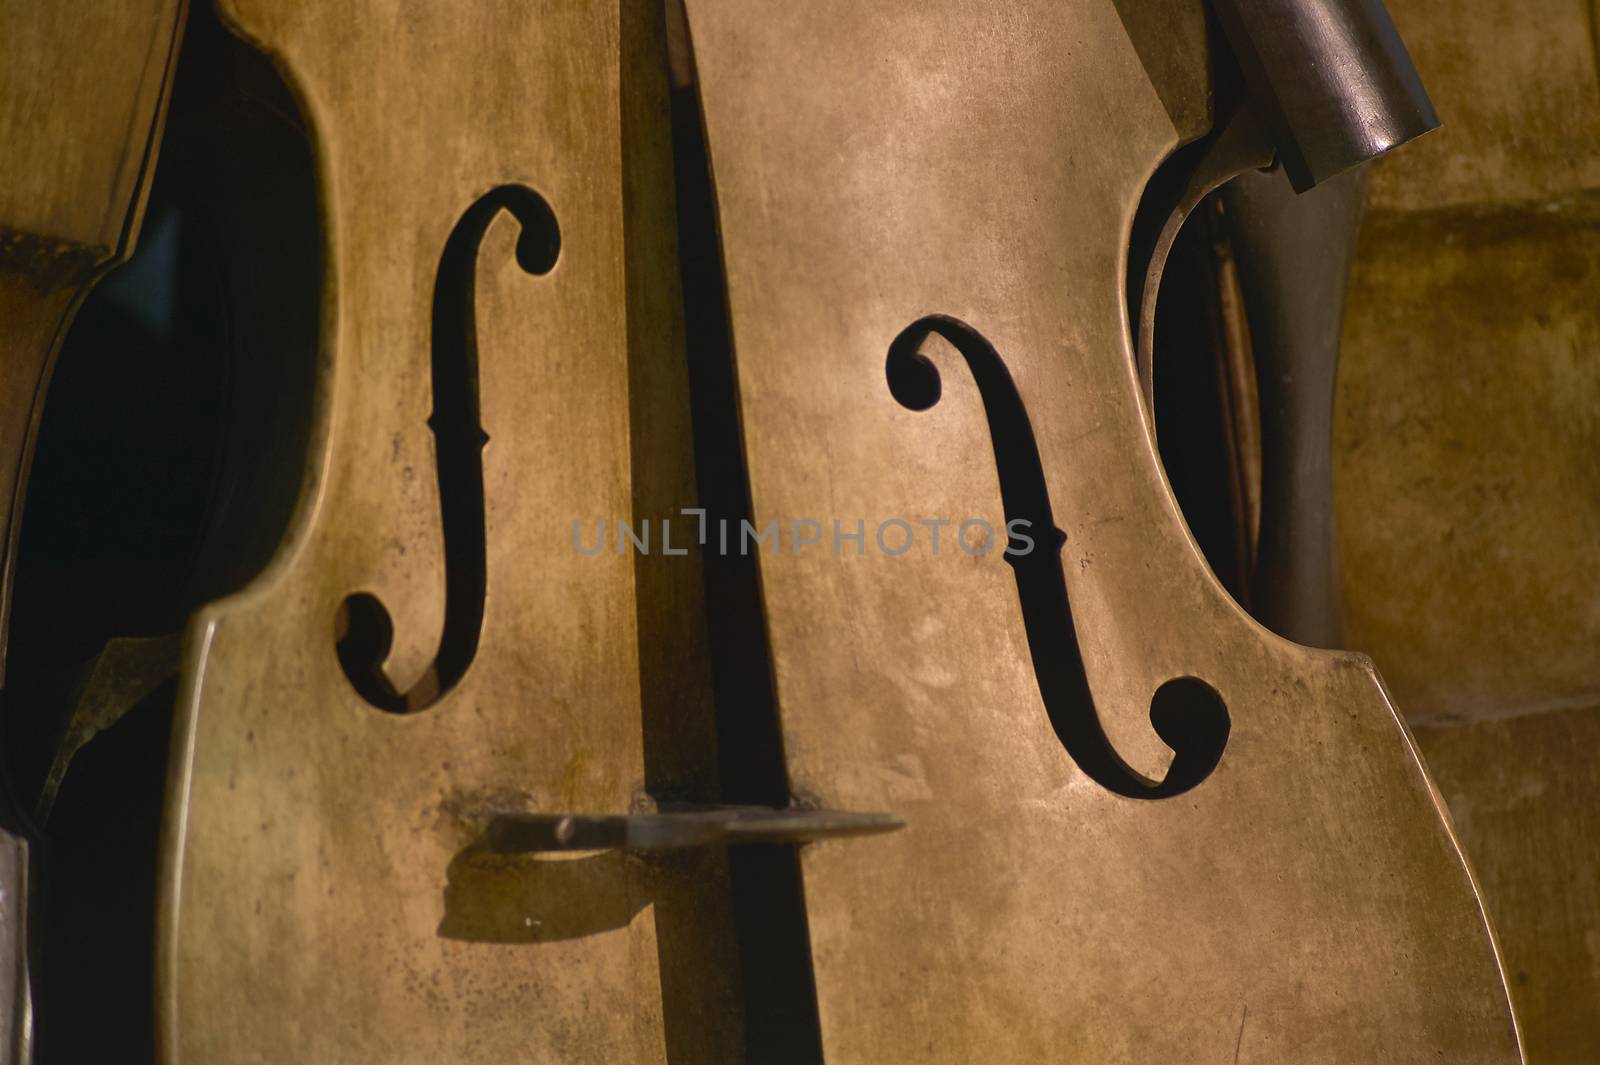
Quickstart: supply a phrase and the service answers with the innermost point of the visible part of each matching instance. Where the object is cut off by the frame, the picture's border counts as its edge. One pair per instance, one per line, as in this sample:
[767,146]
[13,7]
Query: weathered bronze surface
[323,895]
[932,170]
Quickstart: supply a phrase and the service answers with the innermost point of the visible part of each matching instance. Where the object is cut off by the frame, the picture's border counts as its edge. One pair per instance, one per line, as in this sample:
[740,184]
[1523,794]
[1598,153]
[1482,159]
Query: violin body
[427,648]
[1137,826]
[1306,900]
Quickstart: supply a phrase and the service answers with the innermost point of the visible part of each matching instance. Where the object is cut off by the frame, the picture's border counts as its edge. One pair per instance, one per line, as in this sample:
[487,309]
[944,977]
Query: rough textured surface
[1515,83]
[1467,476]
[1467,471]
[1523,795]
[876,163]
[1468,459]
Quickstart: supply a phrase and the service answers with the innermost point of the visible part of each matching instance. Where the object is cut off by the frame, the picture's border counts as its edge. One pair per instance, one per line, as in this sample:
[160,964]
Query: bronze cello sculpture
[925,214]
[897,181]
[427,649]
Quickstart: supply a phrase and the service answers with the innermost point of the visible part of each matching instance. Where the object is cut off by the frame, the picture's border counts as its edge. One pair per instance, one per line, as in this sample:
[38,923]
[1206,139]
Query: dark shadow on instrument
[525,898]
[364,630]
[778,985]
[1206,418]
[696,941]
[94,965]
[1187,714]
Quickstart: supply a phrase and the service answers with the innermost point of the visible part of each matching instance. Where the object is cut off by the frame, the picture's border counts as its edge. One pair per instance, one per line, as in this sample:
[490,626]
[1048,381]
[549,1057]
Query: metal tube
[1330,79]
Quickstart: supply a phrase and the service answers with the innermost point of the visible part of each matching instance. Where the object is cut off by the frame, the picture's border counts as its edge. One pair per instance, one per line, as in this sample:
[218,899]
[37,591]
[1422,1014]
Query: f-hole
[1188,714]
[364,630]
